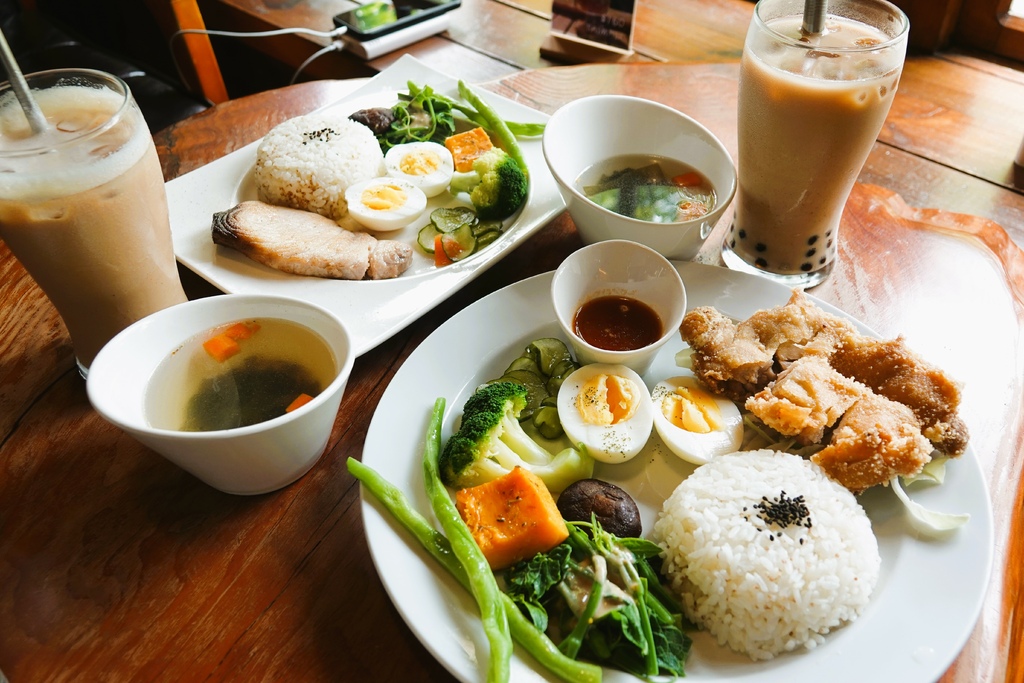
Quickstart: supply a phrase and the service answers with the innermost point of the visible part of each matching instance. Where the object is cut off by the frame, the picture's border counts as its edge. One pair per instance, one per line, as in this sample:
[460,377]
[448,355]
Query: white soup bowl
[249,460]
[593,130]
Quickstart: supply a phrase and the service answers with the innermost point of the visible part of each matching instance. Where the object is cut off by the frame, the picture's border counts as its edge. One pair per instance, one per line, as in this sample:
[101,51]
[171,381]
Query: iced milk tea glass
[810,109]
[83,207]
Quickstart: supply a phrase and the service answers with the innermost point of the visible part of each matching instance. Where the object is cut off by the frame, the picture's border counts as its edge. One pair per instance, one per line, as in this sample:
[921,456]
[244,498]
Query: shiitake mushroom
[614,508]
[377,119]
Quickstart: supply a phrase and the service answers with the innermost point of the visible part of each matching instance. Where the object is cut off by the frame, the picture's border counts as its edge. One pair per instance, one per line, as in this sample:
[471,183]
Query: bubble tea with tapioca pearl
[810,109]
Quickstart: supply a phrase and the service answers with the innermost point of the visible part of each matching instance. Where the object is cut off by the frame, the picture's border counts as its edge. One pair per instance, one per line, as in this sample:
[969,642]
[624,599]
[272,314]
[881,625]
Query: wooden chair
[193,52]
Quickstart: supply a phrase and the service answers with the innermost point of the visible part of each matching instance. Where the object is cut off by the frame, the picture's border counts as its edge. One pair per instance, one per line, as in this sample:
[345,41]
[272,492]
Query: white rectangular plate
[372,310]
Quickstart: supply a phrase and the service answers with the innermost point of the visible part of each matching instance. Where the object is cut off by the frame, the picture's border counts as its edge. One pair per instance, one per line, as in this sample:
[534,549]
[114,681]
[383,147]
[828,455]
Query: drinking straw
[814,16]
[36,120]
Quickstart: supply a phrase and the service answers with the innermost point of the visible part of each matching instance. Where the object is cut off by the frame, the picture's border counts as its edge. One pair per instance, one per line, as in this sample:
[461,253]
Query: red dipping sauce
[617,323]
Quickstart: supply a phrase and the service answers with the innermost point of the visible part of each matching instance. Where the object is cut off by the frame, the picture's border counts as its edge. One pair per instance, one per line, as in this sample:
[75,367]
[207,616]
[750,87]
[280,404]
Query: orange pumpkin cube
[512,517]
[467,146]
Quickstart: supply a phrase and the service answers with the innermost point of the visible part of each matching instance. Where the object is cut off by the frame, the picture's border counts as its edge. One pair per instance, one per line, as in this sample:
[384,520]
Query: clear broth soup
[648,187]
[191,390]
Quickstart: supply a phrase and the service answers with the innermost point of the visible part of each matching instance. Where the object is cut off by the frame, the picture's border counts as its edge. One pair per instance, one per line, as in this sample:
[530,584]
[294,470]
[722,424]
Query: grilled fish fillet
[305,243]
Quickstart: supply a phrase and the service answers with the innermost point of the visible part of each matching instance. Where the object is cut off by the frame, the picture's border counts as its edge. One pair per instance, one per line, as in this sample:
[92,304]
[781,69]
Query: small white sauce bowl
[246,460]
[592,130]
[618,268]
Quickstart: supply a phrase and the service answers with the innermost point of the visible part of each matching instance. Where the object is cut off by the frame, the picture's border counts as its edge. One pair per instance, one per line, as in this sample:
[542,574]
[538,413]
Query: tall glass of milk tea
[810,109]
[83,207]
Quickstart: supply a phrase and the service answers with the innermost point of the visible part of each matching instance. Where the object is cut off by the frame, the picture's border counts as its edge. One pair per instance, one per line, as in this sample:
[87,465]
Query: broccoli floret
[497,185]
[491,442]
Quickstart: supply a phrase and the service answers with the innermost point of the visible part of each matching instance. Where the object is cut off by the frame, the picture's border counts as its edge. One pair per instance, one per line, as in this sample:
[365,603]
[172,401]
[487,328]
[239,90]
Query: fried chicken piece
[876,440]
[894,371]
[807,397]
[738,360]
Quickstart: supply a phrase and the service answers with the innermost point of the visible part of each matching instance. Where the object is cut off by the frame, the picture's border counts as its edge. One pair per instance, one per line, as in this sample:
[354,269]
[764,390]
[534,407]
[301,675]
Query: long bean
[435,543]
[496,124]
[482,584]
[517,128]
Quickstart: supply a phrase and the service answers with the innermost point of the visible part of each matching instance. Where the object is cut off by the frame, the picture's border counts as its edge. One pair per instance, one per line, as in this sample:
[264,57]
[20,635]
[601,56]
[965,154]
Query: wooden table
[950,138]
[116,565]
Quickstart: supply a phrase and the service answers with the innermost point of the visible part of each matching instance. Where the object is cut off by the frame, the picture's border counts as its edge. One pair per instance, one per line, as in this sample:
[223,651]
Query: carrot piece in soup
[687,179]
[467,146]
[440,258]
[240,331]
[221,347]
[512,518]
[300,400]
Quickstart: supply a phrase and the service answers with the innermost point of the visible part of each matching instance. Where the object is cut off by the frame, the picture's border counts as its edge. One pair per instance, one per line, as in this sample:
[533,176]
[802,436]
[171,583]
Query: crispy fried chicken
[739,359]
[896,372]
[809,374]
[876,440]
[805,398]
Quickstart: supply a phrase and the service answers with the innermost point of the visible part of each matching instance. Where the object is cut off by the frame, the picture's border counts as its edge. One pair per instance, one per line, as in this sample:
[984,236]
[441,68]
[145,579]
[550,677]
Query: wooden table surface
[116,565]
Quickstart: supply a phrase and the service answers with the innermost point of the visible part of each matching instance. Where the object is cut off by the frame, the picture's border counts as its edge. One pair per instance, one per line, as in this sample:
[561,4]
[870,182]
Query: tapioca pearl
[812,239]
[761,247]
[828,245]
[743,234]
[732,243]
[821,261]
[806,267]
[761,263]
[810,252]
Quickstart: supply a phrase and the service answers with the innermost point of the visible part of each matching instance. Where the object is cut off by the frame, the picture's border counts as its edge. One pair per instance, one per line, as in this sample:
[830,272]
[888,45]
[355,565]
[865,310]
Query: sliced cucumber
[425,237]
[482,227]
[483,239]
[459,243]
[451,218]
[548,352]
[545,419]
[524,363]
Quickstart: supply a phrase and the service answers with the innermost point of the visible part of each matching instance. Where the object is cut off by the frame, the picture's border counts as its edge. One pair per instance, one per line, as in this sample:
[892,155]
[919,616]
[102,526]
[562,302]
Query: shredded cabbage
[925,520]
[683,358]
[933,473]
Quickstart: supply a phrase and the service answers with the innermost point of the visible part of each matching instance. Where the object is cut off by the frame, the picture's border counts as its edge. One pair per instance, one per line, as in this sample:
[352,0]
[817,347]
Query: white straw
[35,117]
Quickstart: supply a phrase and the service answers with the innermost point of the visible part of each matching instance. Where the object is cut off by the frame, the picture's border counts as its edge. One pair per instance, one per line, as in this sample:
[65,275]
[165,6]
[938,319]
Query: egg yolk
[384,197]
[607,400]
[420,163]
[692,409]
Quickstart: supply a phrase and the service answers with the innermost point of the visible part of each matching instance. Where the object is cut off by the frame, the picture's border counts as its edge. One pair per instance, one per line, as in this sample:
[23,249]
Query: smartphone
[380,17]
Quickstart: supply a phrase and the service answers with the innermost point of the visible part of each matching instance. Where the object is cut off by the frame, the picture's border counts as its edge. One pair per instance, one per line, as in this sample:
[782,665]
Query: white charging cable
[334,36]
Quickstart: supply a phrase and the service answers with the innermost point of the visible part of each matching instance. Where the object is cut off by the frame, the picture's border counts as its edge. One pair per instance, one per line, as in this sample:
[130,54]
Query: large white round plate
[373,309]
[925,605]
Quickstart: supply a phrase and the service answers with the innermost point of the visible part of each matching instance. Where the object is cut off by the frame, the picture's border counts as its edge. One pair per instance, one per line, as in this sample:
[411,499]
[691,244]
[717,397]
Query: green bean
[518,129]
[496,124]
[650,652]
[525,130]
[571,645]
[435,543]
[482,583]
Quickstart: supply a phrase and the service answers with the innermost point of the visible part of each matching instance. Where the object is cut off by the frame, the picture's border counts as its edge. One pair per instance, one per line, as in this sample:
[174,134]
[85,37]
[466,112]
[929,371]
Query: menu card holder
[590,31]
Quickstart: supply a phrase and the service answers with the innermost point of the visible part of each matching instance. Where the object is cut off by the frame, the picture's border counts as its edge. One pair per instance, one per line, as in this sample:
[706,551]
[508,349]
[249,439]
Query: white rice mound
[309,161]
[765,588]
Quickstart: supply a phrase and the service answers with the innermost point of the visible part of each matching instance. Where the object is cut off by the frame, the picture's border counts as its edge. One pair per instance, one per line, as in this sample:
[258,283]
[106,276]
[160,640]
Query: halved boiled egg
[693,423]
[427,165]
[385,203]
[607,408]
